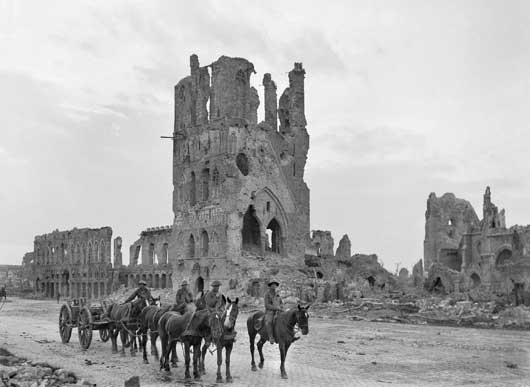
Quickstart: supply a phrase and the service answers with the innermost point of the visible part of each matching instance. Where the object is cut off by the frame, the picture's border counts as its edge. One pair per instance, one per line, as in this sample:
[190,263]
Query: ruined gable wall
[446,220]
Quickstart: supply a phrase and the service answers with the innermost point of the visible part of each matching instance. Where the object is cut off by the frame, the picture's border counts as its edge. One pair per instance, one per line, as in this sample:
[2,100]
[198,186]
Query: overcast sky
[402,99]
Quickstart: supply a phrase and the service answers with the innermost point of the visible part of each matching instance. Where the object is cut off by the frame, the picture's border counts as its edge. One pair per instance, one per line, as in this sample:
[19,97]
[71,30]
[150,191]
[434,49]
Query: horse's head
[302,318]
[155,301]
[232,311]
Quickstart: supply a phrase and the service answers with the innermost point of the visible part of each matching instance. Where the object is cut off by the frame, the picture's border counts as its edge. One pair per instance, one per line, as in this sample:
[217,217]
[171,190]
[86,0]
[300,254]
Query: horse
[149,318]
[120,315]
[223,335]
[283,331]
[170,334]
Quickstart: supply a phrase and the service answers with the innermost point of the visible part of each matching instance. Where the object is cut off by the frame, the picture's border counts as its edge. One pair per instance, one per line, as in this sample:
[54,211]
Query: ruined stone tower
[238,185]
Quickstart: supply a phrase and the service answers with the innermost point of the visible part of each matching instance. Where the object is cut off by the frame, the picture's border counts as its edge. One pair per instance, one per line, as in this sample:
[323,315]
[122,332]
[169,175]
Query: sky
[403,98]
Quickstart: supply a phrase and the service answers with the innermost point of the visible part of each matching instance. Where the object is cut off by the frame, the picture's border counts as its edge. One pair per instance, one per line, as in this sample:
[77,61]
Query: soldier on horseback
[183,294]
[141,292]
[213,298]
[273,305]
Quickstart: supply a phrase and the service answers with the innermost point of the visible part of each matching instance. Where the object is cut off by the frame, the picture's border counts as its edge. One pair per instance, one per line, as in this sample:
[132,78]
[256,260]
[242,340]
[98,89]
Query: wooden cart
[86,318]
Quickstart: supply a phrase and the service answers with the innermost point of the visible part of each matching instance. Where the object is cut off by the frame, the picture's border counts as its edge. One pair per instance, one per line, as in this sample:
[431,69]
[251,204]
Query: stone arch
[280,213]
[193,190]
[89,256]
[205,184]
[199,285]
[503,255]
[205,243]
[274,234]
[102,251]
[250,232]
[475,280]
[191,246]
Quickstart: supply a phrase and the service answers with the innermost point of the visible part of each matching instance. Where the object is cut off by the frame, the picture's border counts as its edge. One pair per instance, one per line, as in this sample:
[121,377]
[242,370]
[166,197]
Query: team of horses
[192,325]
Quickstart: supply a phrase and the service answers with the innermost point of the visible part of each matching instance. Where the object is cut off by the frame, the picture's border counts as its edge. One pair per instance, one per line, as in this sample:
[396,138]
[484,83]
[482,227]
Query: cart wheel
[84,328]
[104,334]
[65,321]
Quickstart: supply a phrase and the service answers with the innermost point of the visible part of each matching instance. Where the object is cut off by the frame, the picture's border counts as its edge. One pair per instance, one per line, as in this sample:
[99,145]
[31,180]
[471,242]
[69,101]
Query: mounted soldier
[141,292]
[273,305]
[214,298]
[184,295]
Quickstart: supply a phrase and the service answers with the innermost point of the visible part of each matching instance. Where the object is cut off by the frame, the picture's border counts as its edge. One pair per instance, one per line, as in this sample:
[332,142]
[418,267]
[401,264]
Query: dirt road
[335,353]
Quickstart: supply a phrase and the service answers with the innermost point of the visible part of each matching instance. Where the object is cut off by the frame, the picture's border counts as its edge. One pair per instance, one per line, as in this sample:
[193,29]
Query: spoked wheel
[104,334]
[65,321]
[84,328]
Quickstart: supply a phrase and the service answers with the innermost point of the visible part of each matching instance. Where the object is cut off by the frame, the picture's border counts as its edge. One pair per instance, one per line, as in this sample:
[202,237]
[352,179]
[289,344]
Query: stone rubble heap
[19,372]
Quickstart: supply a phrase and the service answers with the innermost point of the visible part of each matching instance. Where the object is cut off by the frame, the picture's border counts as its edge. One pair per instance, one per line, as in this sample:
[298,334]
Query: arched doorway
[475,280]
[371,281]
[438,286]
[199,285]
[503,257]
[251,232]
[274,236]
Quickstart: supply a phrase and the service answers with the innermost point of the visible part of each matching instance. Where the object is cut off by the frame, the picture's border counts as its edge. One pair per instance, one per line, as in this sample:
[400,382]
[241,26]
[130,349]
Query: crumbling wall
[446,220]
[238,185]
[344,249]
[322,243]
[73,263]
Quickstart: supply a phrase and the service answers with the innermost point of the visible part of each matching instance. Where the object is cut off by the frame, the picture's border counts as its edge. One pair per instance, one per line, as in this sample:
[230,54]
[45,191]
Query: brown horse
[283,332]
[223,335]
[149,318]
[170,332]
[122,317]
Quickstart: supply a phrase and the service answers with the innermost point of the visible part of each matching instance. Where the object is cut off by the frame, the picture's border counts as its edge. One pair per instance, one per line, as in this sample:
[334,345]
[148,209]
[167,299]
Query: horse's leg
[174,354]
[163,339]
[187,375]
[251,338]
[153,335]
[228,347]
[219,349]
[203,355]
[260,351]
[114,339]
[123,337]
[283,354]
[144,345]
[196,358]
[133,342]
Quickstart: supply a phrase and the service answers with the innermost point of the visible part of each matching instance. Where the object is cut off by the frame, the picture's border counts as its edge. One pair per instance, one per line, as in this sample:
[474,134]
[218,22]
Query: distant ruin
[462,253]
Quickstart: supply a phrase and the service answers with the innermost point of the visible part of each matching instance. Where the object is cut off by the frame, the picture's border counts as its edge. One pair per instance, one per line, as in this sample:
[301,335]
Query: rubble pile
[16,371]
[450,311]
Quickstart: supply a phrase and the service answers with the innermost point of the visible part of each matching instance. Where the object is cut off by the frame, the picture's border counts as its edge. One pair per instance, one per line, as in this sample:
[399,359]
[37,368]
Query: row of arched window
[201,190]
[204,245]
[81,253]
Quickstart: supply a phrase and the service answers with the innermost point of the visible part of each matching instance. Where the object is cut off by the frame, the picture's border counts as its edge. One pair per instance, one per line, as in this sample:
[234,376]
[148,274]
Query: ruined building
[462,252]
[238,184]
[149,259]
[75,263]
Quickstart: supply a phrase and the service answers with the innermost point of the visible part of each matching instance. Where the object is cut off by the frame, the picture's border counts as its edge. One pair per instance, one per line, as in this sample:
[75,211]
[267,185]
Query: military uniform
[273,305]
[141,292]
[214,301]
[183,296]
